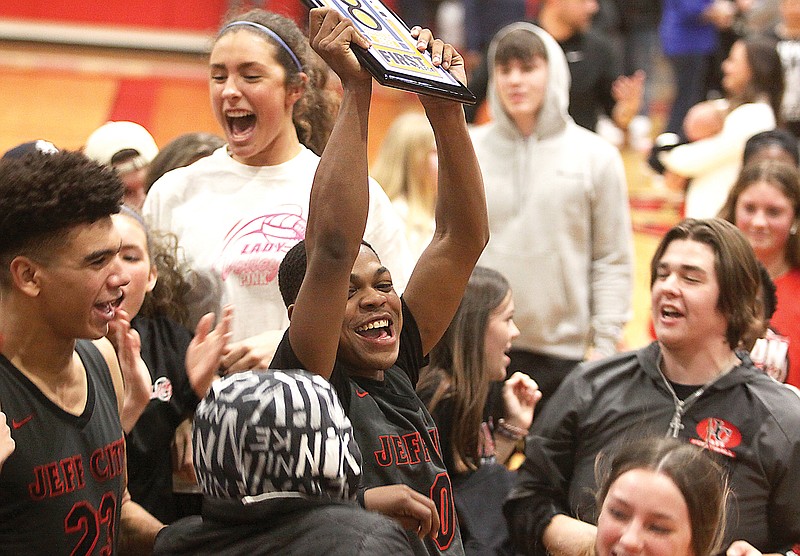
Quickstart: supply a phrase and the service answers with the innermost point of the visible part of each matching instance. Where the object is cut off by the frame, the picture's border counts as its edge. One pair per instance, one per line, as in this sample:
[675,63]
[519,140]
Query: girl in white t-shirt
[239,210]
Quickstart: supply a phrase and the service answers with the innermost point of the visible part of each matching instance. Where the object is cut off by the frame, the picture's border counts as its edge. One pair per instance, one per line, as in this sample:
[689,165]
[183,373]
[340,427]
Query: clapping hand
[204,356]
[520,396]
[135,375]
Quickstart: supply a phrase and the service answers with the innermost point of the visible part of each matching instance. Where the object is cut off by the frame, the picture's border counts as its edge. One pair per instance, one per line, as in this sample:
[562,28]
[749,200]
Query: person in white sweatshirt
[558,211]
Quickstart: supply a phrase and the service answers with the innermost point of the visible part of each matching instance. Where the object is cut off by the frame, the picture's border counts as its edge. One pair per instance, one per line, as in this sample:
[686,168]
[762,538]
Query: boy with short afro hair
[347,322]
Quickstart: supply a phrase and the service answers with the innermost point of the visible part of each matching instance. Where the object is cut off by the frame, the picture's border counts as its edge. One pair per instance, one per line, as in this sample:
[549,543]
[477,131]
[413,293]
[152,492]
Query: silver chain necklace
[681,406]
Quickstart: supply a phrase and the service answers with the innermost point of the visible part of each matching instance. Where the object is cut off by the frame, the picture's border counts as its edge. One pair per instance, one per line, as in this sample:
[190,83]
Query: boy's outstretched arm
[462,228]
[339,200]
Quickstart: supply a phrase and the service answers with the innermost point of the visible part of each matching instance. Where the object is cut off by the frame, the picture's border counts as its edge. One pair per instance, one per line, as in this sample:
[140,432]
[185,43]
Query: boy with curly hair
[64,486]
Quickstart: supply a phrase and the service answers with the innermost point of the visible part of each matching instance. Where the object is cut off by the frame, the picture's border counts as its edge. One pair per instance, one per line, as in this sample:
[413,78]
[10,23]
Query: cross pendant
[675,425]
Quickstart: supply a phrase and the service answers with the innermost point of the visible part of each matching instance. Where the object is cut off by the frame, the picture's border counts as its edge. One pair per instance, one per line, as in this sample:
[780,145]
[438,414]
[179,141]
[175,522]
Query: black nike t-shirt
[397,436]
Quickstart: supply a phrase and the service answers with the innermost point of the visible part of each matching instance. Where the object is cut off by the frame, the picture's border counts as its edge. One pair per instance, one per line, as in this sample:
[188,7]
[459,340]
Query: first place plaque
[393,58]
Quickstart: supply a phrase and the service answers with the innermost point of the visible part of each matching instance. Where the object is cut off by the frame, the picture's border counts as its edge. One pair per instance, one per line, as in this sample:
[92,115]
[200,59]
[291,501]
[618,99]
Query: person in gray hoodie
[558,211]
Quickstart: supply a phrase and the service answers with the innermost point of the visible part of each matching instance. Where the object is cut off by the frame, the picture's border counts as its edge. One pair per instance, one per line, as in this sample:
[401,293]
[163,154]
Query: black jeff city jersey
[398,438]
[61,489]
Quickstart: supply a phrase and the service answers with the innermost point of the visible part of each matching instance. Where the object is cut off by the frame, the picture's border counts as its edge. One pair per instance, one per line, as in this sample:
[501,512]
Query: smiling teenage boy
[693,383]
[63,490]
[373,357]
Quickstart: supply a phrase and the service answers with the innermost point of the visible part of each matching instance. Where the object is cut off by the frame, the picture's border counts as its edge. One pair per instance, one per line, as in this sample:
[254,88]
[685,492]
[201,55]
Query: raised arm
[339,200]
[462,229]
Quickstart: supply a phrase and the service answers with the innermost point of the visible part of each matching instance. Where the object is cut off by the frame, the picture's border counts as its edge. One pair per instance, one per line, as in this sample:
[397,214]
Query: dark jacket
[747,420]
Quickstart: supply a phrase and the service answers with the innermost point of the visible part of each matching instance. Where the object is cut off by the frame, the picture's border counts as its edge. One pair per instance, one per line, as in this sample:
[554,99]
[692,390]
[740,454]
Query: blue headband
[125,210]
[269,32]
[128,211]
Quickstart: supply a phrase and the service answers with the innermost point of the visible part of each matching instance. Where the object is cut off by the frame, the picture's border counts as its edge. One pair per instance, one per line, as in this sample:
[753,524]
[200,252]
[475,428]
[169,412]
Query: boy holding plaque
[347,322]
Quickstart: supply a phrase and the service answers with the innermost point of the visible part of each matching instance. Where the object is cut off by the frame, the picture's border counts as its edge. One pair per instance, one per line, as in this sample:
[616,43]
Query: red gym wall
[197,15]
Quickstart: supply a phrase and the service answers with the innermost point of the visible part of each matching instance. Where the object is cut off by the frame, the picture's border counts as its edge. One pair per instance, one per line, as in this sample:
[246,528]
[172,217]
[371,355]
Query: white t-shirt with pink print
[235,223]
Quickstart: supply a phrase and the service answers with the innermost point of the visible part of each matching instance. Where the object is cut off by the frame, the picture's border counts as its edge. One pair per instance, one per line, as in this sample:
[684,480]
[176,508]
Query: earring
[793,229]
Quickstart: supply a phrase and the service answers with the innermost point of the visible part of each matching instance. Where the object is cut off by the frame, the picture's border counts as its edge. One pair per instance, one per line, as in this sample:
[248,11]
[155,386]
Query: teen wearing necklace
[690,384]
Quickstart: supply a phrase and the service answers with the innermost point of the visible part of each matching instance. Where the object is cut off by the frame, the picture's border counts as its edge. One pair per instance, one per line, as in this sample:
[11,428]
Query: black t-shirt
[593,69]
[164,345]
[397,436]
[61,489]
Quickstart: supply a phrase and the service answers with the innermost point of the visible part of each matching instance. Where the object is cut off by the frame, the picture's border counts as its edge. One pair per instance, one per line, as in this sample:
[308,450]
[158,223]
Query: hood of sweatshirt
[553,116]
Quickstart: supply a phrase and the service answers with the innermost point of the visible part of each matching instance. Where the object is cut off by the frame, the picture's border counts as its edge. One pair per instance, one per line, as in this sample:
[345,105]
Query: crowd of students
[349,397]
